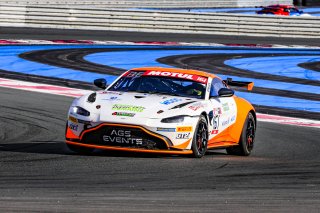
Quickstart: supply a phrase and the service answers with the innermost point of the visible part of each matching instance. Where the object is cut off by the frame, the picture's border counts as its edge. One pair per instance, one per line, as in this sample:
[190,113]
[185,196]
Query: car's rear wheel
[246,139]
[80,149]
[200,138]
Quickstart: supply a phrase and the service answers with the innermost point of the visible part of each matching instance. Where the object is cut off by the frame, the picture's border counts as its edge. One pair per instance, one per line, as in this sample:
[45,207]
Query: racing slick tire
[200,138]
[246,141]
[79,149]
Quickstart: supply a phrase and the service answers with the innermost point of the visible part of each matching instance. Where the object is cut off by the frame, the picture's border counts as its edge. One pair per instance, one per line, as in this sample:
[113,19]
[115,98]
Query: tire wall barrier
[55,17]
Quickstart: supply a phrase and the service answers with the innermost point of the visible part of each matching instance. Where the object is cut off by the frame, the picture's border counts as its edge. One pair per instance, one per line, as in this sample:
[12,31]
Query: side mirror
[225,92]
[101,83]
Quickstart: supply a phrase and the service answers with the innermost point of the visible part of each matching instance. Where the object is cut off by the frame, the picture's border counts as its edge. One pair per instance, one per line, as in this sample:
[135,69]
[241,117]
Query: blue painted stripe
[129,59]
[282,66]
[281,102]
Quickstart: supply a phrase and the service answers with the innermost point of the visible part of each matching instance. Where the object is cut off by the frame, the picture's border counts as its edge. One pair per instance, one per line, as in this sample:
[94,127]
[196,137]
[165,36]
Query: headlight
[174,119]
[80,111]
[92,97]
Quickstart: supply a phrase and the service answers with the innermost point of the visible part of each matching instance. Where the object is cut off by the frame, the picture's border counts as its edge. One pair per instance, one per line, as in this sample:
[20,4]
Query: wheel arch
[206,116]
[243,109]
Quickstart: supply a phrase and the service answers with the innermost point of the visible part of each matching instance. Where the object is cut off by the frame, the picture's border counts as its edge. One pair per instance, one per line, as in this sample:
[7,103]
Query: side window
[216,85]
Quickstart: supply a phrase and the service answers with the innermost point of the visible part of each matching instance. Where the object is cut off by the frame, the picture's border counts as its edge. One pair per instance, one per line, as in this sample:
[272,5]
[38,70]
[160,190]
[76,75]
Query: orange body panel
[183,145]
[244,107]
[70,134]
[231,135]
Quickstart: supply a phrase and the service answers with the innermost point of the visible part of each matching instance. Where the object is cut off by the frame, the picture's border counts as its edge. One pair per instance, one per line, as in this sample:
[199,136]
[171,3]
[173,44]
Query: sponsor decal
[183,135]
[170,101]
[166,129]
[214,117]
[226,122]
[197,106]
[209,87]
[124,107]
[177,75]
[225,107]
[214,132]
[126,114]
[184,129]
[233,118]
[217,111]
[113,98]
[109,92]
[215,122]
[133,74]
[122,137]
[73,119]
[73,127]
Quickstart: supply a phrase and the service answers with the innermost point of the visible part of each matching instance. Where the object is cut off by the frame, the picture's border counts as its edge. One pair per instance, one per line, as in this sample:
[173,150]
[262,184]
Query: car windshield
[169,83]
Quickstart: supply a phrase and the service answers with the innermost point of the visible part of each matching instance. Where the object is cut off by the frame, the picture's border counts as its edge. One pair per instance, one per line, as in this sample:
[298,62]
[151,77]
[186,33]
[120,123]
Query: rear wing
[243,84]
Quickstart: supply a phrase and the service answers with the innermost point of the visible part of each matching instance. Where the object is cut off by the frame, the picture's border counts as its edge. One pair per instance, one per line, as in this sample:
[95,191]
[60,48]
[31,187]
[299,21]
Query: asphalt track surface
[39,174]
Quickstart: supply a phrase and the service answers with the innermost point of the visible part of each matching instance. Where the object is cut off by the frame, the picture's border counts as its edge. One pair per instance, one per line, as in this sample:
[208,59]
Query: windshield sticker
[170,101]
[133,74]
[177,75]
[124,107]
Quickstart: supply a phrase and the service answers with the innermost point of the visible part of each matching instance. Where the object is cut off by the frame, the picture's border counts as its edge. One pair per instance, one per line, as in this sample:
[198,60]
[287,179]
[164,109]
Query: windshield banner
[177,75]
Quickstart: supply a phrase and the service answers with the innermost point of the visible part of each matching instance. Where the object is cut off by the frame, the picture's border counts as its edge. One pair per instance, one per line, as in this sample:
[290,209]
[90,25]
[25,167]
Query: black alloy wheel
[246,139]
[200,139]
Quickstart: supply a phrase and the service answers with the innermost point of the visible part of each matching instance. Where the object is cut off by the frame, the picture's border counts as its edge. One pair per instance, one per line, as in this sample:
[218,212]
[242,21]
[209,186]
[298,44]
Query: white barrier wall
[166,22]
[151,3]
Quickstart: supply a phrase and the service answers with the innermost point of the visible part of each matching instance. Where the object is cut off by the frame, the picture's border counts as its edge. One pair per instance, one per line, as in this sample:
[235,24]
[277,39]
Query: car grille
[123,136]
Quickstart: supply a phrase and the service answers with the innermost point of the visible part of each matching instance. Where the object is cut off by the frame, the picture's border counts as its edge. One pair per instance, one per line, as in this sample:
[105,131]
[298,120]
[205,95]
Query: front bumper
[124,137]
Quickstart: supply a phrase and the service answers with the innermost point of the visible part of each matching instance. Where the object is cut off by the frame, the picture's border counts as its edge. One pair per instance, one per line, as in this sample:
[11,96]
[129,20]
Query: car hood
[130,105]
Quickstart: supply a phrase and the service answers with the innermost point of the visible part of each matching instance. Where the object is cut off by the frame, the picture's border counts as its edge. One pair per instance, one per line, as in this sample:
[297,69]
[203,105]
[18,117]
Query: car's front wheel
[200,138]
[246,139]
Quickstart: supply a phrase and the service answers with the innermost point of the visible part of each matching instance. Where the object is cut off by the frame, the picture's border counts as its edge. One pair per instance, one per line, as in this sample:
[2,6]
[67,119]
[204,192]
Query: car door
[223,111]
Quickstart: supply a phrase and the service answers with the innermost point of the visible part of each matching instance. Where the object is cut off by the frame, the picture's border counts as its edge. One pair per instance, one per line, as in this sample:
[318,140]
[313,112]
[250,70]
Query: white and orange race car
[163,110]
